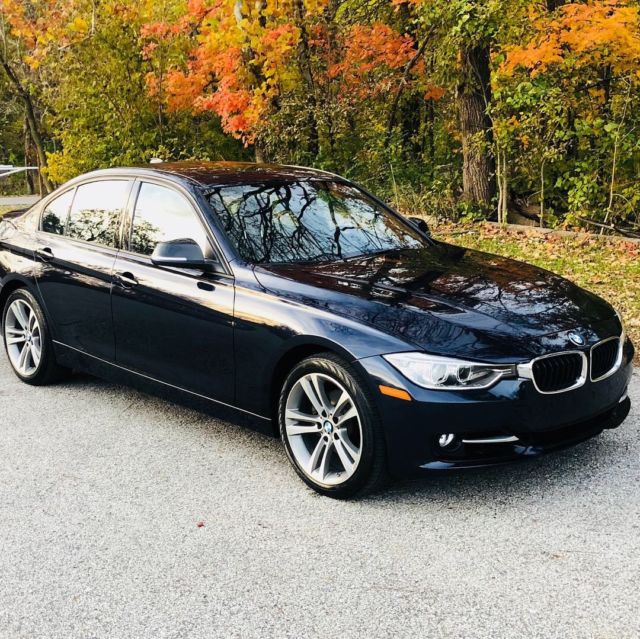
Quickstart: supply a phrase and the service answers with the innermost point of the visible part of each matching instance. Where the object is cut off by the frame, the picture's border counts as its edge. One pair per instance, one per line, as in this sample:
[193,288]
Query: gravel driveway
[125,516]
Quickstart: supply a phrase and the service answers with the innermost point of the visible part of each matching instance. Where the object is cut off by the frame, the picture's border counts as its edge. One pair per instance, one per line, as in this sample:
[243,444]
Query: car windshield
[307,221]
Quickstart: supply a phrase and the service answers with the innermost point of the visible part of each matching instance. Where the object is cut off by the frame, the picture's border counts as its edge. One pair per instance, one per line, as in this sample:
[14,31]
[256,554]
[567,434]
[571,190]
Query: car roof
[218,173]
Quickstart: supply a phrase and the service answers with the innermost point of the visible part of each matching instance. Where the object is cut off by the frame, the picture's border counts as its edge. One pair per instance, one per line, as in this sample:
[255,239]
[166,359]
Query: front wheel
[27,340]
[330,428]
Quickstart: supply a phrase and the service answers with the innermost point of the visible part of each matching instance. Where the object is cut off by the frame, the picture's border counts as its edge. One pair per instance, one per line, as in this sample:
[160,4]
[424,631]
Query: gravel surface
[122,515]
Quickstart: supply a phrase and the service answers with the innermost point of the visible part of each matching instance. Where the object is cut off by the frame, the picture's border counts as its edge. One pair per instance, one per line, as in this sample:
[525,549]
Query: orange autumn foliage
[237,64]
[604,32]
[375,51]
[240,65]
[42,25]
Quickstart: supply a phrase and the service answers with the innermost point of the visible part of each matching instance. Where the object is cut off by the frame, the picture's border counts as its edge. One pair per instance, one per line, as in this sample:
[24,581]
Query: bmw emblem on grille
[576,338]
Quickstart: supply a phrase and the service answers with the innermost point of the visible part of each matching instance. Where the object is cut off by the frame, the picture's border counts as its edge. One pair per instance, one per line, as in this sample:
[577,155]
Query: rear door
[76,251]
[174,325]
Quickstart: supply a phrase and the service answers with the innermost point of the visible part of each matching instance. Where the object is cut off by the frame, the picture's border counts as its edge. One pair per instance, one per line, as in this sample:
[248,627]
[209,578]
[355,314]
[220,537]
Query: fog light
[446,439]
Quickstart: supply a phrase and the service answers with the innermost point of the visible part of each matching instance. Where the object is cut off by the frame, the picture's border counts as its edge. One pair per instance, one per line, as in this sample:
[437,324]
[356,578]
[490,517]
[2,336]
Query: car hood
[445,297]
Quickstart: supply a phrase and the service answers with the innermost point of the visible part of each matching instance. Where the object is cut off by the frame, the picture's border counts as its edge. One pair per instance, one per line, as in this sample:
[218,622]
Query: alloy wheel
[324,429]
[23,336]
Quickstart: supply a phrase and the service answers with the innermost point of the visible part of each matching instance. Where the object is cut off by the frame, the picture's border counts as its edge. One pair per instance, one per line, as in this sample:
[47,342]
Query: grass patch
[609,267]
[5,209]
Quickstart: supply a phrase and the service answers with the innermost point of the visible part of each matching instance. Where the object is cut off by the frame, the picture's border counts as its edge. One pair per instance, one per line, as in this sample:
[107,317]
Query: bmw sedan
[300,300]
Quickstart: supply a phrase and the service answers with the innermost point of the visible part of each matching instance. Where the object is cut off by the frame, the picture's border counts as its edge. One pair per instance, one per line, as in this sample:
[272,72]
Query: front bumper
[469,454]
[511,409]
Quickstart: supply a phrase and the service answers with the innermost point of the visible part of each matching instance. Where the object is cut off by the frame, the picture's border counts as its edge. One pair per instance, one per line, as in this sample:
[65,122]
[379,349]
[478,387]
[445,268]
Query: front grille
[558,372]
[604,357]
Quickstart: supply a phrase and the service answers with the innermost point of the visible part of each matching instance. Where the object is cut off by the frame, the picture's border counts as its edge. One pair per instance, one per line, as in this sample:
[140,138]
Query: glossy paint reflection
[447,299]
[170,328]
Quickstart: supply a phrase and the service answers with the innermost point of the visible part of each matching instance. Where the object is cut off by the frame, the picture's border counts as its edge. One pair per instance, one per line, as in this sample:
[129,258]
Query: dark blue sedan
[300,300]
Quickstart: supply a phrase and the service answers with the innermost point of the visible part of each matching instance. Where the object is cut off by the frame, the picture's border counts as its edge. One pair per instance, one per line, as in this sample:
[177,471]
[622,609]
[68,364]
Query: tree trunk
[259,153]
[307,73]
[31,185]
[32,122]
[410,120]
[430,134]
[474,97]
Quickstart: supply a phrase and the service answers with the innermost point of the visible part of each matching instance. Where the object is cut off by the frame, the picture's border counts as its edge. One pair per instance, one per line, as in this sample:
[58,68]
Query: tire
[340,452]
[37,371]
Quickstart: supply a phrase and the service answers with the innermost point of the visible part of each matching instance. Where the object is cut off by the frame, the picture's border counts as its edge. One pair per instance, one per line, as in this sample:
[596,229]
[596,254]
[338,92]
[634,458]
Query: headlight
[442,373]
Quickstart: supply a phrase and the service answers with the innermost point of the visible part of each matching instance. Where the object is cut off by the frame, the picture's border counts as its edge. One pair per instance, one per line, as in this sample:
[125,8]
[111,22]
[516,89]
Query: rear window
[96,211]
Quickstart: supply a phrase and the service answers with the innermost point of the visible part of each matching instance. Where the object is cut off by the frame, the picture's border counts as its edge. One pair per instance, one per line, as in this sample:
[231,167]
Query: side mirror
[420,224]
[184,253]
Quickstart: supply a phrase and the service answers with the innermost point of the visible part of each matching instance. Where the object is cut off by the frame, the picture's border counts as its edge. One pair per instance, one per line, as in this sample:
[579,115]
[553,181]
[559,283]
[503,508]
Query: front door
[174,325]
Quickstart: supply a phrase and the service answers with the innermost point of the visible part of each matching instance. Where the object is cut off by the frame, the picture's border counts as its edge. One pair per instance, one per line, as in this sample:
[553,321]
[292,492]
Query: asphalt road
[18,200]
[102,491]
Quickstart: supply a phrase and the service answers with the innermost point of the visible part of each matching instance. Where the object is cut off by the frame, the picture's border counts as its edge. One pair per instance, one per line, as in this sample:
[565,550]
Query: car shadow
[536,479]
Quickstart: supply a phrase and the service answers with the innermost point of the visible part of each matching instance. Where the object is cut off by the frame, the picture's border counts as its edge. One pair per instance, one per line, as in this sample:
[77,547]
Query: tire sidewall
[371,437]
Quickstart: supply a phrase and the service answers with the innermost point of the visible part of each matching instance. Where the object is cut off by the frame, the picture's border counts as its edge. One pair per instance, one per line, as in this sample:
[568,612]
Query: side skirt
[78,360]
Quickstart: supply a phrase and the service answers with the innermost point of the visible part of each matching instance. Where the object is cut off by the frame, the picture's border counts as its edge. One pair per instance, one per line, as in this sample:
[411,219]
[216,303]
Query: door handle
[44,253]
[126,280]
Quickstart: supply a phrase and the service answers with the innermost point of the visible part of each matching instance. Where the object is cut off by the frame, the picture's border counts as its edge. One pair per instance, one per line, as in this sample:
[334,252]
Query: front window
[163,215]
[307,221]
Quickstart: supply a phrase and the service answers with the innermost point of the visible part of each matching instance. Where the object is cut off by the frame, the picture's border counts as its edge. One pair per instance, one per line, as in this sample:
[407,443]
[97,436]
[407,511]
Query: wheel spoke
[350,447]
[342,400]
[310,392]
[24,356]
[16,340]
[302,429]
[299,416]
[347,415]
[318,460]
[318,385]
[35,355]
[343,453]
[323,469]
[20,315]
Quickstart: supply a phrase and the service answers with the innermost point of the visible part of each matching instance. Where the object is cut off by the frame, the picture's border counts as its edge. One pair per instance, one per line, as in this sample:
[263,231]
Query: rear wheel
[27,340]
[330,428]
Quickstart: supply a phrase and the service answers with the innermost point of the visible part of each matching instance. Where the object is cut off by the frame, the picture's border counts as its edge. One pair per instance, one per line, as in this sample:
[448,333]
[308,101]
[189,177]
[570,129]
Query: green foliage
[104,114]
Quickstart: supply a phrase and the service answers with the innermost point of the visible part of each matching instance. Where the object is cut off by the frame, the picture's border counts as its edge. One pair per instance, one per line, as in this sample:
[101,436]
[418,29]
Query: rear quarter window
[54,216]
